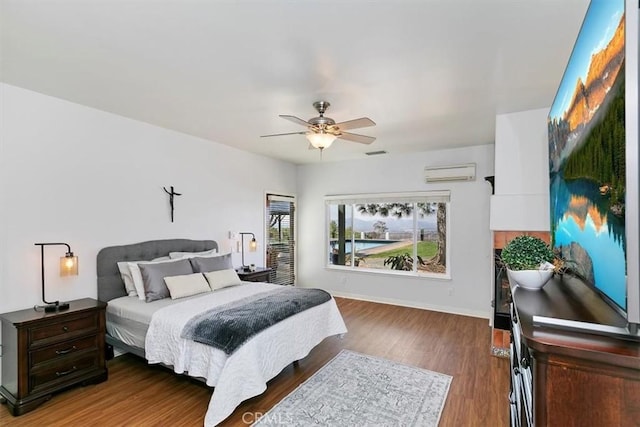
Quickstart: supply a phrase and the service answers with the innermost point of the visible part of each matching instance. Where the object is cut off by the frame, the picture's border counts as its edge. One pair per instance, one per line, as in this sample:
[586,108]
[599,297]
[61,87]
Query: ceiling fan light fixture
[321,140]
[321,131]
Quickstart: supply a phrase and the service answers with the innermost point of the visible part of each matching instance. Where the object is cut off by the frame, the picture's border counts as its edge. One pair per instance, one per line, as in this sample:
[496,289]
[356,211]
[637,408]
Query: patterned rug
[355,389]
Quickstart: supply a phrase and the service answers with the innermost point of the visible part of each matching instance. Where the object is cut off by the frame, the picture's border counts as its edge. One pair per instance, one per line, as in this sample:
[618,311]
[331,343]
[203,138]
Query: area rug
[355,389]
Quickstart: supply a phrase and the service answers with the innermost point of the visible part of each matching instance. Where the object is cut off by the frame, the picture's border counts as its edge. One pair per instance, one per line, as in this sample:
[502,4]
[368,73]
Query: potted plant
[402,262]
[529,262]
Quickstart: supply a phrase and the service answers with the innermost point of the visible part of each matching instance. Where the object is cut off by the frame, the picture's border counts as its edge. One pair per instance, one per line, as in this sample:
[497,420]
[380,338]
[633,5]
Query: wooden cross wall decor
[171,194]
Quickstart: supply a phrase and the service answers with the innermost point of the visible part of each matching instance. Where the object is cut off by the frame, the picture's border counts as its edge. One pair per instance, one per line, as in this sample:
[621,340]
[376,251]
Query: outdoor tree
[333,229]
[401,210]
[441,221]
[380,227]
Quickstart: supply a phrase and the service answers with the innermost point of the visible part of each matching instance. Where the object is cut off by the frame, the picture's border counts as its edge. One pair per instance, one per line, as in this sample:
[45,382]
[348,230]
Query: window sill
[408,274]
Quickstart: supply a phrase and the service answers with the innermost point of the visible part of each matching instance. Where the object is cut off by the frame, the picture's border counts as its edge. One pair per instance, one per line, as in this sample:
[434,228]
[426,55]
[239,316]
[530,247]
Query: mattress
[128,318]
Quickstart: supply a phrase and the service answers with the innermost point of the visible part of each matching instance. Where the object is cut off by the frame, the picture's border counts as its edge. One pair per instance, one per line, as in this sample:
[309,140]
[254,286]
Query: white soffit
[519,212]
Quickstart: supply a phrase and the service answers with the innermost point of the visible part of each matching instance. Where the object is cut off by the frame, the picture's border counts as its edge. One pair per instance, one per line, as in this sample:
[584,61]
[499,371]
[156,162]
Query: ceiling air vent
[375,153]
[466,172]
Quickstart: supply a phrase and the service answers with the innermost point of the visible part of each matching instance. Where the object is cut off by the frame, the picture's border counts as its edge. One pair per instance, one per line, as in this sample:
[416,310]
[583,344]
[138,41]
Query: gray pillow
[153,277]
[204,265]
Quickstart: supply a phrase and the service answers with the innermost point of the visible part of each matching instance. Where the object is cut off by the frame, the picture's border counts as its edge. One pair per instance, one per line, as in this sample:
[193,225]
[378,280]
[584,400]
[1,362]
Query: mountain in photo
[588,96]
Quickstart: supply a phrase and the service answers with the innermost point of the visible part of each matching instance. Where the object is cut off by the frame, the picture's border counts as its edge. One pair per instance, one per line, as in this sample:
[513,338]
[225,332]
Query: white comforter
[245,373]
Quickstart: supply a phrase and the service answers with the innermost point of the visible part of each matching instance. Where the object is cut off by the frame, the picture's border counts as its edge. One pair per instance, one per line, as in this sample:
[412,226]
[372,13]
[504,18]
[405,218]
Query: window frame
[290,278]
[437,196]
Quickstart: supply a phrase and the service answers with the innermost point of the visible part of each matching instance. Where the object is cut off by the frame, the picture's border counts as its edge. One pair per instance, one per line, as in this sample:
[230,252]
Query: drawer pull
[63,373]
[69,350]
[65,328]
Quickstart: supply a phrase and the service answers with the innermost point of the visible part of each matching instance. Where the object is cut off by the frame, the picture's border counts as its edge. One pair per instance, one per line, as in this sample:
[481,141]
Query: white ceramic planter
[529,279]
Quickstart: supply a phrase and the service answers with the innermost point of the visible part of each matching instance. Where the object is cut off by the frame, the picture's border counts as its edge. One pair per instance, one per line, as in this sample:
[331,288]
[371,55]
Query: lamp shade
[69,265]
[321,140]
[253,245]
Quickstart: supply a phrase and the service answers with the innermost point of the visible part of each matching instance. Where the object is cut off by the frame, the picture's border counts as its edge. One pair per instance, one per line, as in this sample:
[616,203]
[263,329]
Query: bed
[153,329]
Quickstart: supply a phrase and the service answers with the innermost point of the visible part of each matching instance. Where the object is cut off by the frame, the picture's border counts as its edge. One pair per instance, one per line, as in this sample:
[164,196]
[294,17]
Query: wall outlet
[233,235]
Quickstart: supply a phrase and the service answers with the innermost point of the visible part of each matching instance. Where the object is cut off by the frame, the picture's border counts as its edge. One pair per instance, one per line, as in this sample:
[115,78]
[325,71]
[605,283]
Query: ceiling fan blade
[294,119]
[281,134]
[362,122]
[354,137]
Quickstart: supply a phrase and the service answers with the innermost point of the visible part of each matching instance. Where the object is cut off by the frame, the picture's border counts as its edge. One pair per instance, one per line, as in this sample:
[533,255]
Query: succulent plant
[526,253]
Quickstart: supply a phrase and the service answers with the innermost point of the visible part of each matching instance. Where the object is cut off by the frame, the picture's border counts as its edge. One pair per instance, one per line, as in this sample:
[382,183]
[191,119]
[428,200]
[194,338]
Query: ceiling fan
[322,131]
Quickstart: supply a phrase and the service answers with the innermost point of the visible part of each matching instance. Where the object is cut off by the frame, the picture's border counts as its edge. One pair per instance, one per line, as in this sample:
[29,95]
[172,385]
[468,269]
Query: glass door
[280,226]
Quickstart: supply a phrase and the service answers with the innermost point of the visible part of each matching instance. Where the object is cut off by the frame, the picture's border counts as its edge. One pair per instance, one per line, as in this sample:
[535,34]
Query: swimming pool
[362,244]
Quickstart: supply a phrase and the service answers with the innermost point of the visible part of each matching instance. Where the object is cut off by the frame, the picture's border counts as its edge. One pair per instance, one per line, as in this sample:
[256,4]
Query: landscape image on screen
[587,154]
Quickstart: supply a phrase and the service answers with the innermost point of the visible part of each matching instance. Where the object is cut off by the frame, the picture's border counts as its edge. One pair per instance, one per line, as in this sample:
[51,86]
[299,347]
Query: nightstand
[262,274]
[44,353]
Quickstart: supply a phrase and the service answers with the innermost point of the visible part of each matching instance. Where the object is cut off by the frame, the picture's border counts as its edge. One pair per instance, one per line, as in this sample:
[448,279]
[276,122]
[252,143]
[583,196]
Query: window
[280,224]
[403,233]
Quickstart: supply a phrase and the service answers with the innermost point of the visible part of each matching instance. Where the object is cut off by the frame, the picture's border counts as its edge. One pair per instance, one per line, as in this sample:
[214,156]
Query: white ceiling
[432,74]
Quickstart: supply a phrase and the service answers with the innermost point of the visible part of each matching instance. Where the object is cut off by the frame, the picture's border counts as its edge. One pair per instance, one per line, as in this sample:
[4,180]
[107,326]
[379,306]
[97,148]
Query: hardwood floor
[137,394]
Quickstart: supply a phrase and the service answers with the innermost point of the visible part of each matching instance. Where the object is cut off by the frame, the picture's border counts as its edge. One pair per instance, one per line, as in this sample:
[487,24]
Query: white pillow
[127,278]
[222,278]
[179,255]
[125,273]
[186,285]
[136,275]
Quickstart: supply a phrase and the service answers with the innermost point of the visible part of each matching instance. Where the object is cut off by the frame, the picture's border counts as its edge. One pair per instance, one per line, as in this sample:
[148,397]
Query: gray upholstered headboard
[110,284]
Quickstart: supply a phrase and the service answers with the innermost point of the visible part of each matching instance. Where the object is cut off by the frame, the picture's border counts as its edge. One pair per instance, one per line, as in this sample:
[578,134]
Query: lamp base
[246,268]
[57,306]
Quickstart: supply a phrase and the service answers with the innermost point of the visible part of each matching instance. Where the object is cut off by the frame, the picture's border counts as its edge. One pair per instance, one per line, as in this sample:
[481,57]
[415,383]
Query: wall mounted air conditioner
[466,172]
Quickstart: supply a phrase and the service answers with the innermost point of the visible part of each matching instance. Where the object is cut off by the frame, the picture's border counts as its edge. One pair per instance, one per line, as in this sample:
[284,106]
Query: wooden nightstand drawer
[44,353]
[69,327]
[65,349]
[55,374]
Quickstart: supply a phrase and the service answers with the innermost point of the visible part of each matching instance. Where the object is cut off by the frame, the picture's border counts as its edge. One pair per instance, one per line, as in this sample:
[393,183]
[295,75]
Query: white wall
[522,153]
[74,174]
[468,291]
[521,200]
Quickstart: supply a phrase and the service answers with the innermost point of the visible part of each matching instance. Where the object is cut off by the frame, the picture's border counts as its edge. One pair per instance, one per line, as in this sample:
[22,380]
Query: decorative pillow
[153,275]
[137,276]
[187,285]
[222,278]
[127,278]
[203,265]
[180,255]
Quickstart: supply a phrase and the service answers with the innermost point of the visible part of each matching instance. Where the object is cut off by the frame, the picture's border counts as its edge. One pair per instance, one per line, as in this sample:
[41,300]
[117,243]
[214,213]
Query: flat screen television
[593,159]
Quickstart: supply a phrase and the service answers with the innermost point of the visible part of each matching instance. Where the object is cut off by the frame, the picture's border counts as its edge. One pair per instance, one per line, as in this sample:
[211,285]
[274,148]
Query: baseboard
[403,303]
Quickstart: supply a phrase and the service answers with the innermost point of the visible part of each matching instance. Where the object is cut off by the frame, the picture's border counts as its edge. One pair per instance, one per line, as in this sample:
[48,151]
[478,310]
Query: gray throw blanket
[228,326]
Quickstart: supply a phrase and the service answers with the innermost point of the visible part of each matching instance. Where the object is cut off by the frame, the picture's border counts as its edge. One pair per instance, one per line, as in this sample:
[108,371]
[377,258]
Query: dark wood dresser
[570,378]
[44,353]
